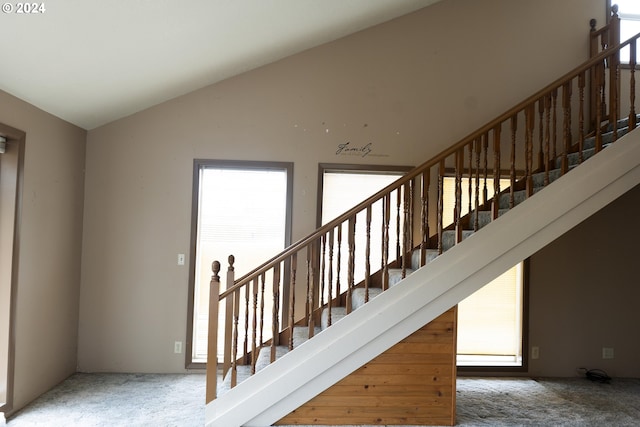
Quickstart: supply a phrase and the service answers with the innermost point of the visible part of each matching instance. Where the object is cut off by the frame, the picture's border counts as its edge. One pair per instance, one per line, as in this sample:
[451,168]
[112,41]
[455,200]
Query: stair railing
[600,40]
[534,136]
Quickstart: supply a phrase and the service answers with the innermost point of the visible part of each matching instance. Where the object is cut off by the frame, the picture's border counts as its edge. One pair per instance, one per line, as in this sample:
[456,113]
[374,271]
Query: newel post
[212,341]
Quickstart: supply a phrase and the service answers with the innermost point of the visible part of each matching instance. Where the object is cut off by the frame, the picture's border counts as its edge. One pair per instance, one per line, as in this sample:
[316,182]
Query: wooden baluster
[262,288]
[255,288]
[614,70]
[541,158]
[367,255]
[547,139]
[386,215]
[406,227]
[603,92]
[603,82]
[514,126]
[310,290]
[554,105]
[410,228]
[339,261]
[275,317]
[529,113]
[600,92]
[593,51]
[459,159]
[245,345]
[566,108]
[424,216]
[212,343]
[440,204]
[352,260]
[398,222]
[234,343]
[614,74]
[632,85]
[581,85]
[485,151]
[228,327]
[323,269]
[292,297]
[496,172]
[330,279]
[470,177]
[478,147]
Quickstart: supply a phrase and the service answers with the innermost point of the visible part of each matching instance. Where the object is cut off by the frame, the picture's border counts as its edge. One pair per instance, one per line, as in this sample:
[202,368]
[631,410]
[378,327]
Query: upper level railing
[263,306]
[599,41]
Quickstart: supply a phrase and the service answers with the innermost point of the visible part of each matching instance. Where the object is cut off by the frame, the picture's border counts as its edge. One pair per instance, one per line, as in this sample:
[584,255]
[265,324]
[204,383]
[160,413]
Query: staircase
[432,271]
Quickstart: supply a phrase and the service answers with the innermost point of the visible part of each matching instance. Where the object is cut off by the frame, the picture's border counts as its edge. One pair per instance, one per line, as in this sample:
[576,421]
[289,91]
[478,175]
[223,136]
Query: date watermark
[24,8]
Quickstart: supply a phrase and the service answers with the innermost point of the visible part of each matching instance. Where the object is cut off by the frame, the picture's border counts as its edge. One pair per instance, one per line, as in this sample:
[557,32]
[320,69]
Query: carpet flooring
[100,400]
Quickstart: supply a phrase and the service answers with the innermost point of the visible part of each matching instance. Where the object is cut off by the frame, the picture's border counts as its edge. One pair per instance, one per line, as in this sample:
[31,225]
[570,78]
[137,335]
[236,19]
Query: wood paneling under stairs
[412,383]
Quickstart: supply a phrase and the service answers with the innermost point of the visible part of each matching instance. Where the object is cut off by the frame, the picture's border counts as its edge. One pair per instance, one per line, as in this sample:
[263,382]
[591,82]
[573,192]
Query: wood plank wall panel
[412,383]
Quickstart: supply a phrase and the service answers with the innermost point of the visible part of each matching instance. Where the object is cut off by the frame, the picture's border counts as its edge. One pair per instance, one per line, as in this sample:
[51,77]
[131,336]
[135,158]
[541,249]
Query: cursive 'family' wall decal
[348,149]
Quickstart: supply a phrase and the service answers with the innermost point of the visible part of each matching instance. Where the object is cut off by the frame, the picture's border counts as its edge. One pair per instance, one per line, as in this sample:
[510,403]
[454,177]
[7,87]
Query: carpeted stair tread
[301,334]
[574,159]
[538,178]
[623,123]
[358,296]
[484,217]
[607,138]
[337,313]
[243,372]
[395,275]
[449,238]
[431,254]
[518,197]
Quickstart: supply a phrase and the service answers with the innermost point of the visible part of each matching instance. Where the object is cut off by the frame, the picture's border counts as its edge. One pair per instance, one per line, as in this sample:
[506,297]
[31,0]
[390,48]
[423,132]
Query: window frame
[623,16]
[198,164]
[349,167]
[502,369]
[470,369]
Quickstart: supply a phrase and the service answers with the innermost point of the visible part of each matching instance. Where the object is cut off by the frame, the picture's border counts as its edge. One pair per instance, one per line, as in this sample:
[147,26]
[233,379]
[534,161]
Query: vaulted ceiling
[93,61]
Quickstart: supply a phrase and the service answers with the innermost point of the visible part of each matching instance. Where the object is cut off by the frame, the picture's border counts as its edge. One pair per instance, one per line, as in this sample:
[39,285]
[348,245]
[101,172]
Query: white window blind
[629,13]
[342,190]
[242,212]
[490,320]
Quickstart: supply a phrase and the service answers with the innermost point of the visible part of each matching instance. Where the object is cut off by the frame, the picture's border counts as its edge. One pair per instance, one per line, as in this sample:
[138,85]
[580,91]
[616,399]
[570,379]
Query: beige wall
[50,248]
[584,295]
[410,87]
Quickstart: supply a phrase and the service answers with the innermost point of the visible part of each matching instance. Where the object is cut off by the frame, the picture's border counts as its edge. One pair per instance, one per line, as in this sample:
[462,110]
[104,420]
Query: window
[490,322]
[629,13]
[241,209]
[343,187]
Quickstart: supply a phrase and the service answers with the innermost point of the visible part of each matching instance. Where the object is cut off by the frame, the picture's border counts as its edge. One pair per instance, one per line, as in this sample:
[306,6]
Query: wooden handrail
[426,165]
[543,132]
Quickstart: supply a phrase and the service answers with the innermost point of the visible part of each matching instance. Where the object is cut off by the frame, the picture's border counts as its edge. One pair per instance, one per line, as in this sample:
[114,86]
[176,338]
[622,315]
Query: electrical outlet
[177,347]
[180,259]
[535,352]
[607,353]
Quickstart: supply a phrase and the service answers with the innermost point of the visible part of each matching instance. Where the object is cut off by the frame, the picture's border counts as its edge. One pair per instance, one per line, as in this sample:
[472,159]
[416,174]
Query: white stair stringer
[367,332]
